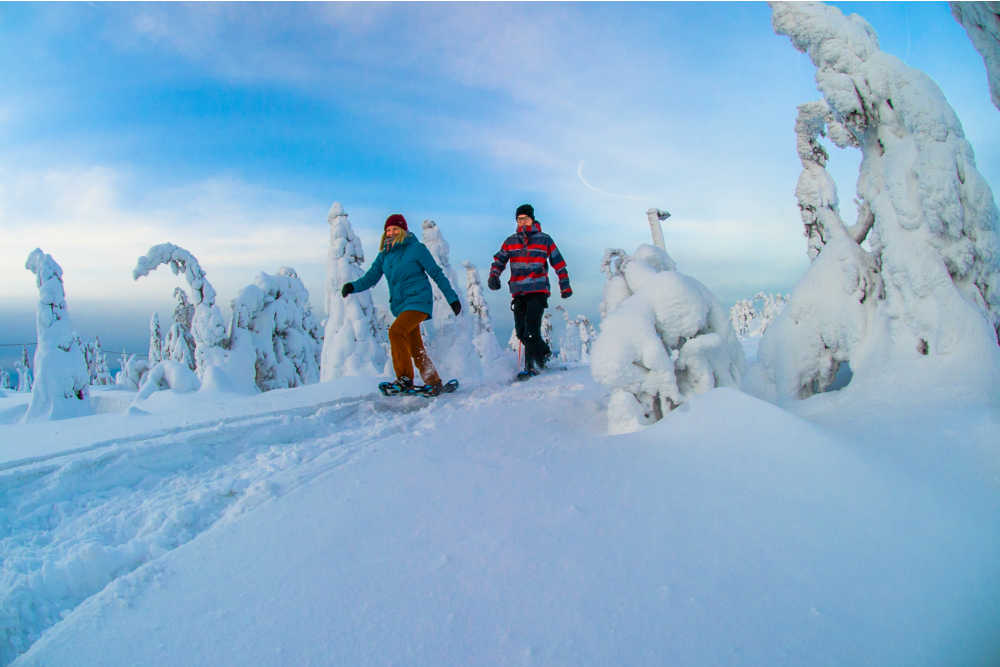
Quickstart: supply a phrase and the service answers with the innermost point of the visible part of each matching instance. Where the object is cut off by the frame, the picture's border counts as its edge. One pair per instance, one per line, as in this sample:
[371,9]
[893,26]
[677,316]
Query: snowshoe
[432,390]
[400,386]
[527,374]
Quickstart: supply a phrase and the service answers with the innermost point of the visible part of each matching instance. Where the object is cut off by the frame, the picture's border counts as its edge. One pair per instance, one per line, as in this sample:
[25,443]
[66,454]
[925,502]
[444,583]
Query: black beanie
[525,209]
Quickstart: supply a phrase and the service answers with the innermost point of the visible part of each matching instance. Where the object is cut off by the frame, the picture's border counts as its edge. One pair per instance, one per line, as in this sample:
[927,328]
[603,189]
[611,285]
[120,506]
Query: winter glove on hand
[493,282]
[346,289]
[567,293]
[456,307]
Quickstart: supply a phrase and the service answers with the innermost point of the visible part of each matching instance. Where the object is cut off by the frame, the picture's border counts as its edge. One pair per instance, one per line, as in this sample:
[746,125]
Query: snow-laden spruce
[484,337]
[926,280]
[447,337]
[179,343]
[25,375]
[273,315]
[61,382]
[664,338]
[97,363]
[577,339]
[155,339]
[207,326]
[981,21]
[351,342]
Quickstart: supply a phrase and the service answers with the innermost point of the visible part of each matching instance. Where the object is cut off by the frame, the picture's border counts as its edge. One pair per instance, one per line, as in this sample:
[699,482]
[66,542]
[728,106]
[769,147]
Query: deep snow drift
[500,525]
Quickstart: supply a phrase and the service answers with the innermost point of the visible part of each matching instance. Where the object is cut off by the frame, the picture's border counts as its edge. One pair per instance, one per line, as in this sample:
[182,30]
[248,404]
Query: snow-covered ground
[500,525]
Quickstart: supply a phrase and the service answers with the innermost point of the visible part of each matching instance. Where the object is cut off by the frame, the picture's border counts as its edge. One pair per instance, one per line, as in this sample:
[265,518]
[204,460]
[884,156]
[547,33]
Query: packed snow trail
[70,524]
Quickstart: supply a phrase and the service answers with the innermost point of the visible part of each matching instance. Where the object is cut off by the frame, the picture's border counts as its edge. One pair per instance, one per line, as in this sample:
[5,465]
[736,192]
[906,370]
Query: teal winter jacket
[406,266]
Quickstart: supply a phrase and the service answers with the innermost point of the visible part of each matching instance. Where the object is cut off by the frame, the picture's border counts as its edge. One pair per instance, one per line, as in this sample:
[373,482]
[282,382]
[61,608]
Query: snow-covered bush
[664,338]
[351,344]
[5,380]
[133,372]
[275,315]
[61,383]
[919,271]
[751,317]
[167,374]
[207,326]
[981,21]
[449,338]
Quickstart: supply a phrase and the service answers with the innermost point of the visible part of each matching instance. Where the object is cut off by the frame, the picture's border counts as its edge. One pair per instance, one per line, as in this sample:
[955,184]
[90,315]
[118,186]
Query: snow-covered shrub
[351,344]
[167,374]
[751,317]
[61,383]
[664,338]
[133,372]
[275,315]
[5,380]
[207,326]
[449,338]
[927,279]
[981,21]
[588,334]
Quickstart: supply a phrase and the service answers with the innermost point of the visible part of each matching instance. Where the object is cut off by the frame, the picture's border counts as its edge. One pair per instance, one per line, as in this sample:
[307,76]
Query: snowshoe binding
[401,385]
[432,390]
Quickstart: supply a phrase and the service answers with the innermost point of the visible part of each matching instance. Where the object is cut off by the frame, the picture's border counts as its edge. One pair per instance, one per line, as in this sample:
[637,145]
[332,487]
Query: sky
[230,129]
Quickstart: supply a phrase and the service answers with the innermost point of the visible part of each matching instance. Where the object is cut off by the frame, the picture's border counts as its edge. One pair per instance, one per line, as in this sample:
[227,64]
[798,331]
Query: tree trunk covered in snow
[351,340]
[61,379]
[926,280]
[981,21]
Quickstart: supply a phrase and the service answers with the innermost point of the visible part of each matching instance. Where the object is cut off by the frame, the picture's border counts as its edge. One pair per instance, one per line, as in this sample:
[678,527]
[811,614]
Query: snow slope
[500,525]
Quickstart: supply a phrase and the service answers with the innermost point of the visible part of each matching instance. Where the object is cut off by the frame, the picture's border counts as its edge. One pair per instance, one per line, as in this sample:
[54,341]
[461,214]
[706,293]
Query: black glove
[456,307]
[346,289]
[493,282]
[567,293]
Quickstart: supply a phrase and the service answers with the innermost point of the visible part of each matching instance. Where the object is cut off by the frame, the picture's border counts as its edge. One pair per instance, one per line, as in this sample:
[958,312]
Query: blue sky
[230,129]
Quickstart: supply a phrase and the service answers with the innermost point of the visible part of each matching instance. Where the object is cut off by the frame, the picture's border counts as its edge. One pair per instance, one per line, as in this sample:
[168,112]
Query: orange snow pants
[408,347]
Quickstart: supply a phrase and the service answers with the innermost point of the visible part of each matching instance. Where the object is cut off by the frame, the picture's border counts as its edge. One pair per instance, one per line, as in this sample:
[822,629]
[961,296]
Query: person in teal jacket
[406,262]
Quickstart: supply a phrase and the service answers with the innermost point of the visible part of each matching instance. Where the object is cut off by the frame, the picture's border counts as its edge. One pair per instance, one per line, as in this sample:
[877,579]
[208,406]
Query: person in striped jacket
[529,251]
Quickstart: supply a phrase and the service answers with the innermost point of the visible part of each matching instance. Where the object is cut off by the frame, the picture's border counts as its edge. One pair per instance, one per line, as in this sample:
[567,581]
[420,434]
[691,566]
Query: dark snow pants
[528,310]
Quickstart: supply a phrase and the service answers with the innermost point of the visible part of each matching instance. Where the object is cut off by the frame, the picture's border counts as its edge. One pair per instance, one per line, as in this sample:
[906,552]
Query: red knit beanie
[397,220]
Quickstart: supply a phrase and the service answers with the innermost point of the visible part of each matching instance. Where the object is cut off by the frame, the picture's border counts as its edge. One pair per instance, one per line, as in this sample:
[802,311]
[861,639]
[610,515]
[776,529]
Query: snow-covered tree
[133,372]
[546,328]
[179,343]
[61,383]
[97,363]
[588,334]
[351,343]
[5,380]
[166,374]
[155,340]
[981,21]
[665,337]
[207,326]
[918,273]
[274,313]
[24,374]
[751,317]
[484,338]
[449,338]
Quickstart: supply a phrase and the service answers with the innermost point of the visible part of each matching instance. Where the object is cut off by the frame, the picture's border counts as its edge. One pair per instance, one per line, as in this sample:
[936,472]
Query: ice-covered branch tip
[981,21]
[655,217]
[180,261]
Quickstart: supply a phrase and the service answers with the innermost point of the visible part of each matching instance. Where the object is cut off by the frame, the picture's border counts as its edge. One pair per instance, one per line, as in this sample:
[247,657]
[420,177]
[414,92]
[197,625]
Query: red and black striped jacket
[528,251]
